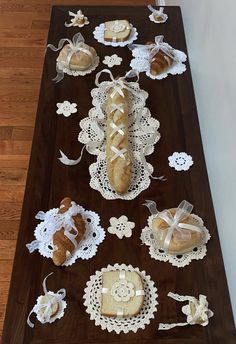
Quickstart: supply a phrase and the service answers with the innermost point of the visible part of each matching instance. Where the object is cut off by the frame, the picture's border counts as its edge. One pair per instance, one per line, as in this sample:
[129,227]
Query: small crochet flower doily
[113,60]
[92,297]
[66,108]
[121,226]
[180,161]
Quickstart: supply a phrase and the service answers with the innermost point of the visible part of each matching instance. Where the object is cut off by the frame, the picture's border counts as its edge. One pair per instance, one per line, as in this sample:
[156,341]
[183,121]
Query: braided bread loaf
[117,145]
[62,245]
[160,62]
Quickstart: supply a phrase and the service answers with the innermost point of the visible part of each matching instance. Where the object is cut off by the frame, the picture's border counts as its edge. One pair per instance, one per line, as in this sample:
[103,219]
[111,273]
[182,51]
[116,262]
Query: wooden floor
[23,32]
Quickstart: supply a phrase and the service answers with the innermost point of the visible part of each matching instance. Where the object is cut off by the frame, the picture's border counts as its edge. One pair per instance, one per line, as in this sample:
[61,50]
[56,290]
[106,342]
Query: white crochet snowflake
[180,161]
[66,108]
[121,226]
[113,60]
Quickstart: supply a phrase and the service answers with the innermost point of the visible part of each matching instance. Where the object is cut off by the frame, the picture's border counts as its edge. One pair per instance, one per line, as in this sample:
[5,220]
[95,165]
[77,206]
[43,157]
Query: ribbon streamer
[57,298]
[201,311]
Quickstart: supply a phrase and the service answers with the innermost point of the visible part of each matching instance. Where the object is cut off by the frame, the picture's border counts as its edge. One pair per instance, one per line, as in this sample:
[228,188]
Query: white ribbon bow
[202,311]
[53,224]
[75,16]
[175,225]
[75,45]
[57,298]
[119,84]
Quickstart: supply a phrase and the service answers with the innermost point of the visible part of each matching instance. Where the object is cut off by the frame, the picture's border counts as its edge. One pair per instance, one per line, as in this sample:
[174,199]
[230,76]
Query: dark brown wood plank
[172,101]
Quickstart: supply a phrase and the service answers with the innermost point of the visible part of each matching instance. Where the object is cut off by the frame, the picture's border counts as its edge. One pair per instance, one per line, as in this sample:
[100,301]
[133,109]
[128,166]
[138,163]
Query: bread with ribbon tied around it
[76,55]
[118,155]
[176,230]
[66,241]
[161,56]
[122,293]
[117,30]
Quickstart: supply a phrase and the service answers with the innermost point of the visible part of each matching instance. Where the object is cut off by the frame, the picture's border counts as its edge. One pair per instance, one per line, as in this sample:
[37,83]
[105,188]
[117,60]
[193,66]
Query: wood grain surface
[172,102]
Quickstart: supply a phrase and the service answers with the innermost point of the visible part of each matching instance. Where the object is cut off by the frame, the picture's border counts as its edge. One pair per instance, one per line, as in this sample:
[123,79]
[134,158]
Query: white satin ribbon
[155,11]
[119,153]
[57,298]
[118,107]
[66,222]
[183,211]
[117,129]
[201,311]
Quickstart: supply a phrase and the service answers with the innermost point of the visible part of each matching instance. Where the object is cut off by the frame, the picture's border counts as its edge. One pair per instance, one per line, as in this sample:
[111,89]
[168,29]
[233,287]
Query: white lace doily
[68,71]
[78,19]
[180,161]
[99,36]
[180,260]
[143,135]
[141,58]
[86,249]
[92,302]
[113,60]
[121,227]
[66,108]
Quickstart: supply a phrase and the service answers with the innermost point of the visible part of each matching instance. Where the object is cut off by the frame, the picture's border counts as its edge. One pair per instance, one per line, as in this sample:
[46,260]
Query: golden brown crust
[79,60]
[160,62]
[62,244]
[177,246]
[119,170]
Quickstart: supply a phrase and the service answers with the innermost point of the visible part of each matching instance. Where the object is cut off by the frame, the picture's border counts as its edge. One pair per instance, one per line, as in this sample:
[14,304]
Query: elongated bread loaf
[63,246]
[117,31]
[117,145]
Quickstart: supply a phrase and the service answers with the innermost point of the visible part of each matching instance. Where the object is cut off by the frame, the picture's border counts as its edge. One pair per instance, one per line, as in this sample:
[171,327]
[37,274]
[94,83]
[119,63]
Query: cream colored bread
[45,299]
[119,169]
[117,31]
[177,246]
[80,60]
[132,307]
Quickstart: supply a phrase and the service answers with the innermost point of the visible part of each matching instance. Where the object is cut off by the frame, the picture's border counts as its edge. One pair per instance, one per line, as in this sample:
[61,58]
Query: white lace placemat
[92,302]
[51,221]
[99,36]
[142,54]
[180,260]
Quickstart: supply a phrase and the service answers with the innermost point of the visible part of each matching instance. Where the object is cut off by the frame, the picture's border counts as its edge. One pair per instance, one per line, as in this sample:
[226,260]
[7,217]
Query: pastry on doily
[161,61]
[65,242]
[49,306]
[117,145]
[117,30]
[122,293]
[176,231]
[80,59]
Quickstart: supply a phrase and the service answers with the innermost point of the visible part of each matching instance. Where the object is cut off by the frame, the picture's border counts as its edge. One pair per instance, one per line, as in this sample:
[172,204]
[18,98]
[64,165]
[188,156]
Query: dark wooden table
[172,102]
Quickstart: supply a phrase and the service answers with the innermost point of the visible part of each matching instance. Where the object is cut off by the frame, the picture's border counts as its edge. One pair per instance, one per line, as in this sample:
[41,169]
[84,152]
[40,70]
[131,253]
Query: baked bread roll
[122,293]
[117,30]
[160,62]
[117,145]
[63,247]
[177,244]
[46,300]
[79,60]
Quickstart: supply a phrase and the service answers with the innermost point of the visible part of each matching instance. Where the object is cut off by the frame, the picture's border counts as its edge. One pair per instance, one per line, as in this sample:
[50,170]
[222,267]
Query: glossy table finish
[172,102]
